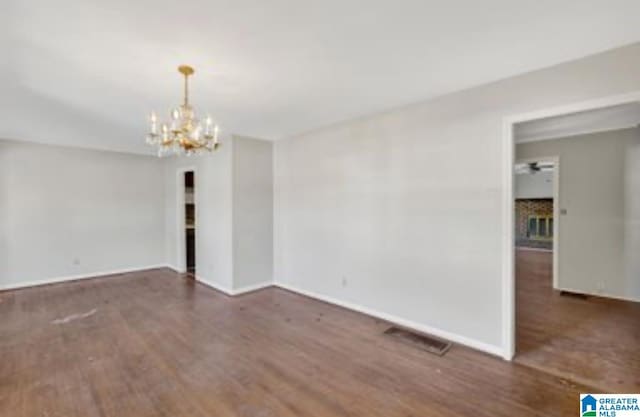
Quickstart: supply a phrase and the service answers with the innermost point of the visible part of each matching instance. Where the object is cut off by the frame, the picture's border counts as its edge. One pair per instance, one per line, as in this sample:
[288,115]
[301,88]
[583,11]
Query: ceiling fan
[533,167]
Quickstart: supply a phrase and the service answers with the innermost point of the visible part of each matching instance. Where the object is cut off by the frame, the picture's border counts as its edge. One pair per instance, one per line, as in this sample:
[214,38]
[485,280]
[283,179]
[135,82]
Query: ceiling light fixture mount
[185,134]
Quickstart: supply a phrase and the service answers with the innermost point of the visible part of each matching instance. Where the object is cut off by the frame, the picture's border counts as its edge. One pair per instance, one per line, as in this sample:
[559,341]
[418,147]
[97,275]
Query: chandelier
[185,134]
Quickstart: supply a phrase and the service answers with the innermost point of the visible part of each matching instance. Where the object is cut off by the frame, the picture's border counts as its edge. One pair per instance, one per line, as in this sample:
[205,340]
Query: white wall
[68,212]
[597,189]
[252,212]
[234,214]
[538,185]
[406,205]
[632,219]
[214,253]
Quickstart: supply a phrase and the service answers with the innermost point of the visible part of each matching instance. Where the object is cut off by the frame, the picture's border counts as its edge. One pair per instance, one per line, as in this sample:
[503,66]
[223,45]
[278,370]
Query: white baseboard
[462,340]
[67,278]
[237,291]
[598,294]
[225,289]
[254,287]
[215,286]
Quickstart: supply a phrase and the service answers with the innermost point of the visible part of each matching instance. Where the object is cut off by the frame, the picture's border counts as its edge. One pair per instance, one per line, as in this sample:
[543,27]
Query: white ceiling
[87,73]
[600,120]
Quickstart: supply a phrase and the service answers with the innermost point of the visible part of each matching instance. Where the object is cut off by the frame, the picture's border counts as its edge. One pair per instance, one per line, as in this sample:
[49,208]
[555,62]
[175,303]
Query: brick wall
[531,207]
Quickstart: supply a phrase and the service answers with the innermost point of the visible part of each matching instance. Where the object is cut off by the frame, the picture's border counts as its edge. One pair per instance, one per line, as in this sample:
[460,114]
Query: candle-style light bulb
[154,125]
[215,134]
[207,125]
[175,114]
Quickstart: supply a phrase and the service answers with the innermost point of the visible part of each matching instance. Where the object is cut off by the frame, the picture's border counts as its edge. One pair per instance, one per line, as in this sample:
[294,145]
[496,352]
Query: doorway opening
[573,293]
[189,223]
[537,211]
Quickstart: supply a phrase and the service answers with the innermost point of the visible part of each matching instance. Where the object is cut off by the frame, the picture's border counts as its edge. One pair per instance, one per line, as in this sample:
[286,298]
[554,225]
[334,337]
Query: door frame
[181,240]
[508,202]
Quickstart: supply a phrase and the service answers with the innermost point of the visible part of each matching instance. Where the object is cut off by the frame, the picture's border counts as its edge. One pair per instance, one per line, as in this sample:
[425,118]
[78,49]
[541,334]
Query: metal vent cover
[421,341]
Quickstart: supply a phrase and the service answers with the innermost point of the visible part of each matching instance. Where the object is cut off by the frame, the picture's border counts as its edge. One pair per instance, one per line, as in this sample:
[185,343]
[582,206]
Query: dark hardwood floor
[595,341]
[156,344]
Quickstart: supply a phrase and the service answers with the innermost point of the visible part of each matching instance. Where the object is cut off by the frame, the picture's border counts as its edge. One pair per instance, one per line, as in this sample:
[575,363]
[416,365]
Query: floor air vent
[421,341]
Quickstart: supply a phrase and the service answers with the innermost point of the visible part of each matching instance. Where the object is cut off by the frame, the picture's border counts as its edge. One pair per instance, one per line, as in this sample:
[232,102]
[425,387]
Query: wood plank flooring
[595,341]
[156,344]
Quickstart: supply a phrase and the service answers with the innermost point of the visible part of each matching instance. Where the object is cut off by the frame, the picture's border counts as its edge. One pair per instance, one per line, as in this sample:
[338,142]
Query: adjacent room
[577,235]
[338,208]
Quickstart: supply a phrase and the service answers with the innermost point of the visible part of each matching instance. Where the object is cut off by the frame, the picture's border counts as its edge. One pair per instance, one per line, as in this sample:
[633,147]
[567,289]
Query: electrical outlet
[344,281]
